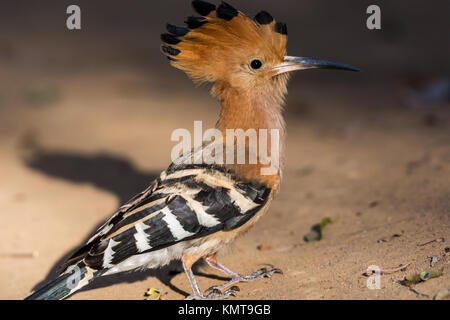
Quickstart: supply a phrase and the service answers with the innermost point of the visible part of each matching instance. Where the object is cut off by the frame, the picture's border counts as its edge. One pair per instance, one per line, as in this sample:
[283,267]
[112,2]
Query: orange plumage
[220,50]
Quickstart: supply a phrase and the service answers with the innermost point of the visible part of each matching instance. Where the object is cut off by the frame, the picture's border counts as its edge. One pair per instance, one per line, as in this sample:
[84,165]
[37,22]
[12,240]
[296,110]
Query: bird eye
[256,64]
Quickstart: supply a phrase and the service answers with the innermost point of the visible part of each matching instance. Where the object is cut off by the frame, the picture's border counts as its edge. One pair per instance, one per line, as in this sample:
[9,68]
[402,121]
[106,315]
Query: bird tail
[73,279]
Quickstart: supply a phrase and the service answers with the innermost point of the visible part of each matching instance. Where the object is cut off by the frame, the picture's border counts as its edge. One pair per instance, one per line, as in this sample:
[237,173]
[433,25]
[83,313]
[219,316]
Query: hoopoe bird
[194,209]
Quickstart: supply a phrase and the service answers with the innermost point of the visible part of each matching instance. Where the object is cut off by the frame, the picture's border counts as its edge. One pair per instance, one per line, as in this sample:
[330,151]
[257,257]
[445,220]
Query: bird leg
[236,277]
[196,294]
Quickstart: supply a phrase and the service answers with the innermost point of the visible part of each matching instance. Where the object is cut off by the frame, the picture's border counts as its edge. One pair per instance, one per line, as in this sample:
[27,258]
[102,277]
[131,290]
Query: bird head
[226,47]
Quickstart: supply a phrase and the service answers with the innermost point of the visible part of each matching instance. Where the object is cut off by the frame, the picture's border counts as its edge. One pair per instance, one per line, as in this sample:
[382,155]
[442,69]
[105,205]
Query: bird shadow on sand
[116,175]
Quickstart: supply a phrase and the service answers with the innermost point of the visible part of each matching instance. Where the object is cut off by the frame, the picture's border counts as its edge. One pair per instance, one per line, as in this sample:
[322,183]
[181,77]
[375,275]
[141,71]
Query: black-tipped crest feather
[170,50]
[176,30]
[226,11]
[195,22]
[202,47]
[202,7]
[281,28]
[169,39]
[263,18]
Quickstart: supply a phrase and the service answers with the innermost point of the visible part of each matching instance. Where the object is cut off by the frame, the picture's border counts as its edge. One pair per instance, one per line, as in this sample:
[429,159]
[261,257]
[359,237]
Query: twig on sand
[427,241]
[32,254]
[388,270]
[418,292]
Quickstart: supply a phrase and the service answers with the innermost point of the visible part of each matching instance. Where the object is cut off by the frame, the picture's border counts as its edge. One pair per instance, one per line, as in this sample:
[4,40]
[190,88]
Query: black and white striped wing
[185,203]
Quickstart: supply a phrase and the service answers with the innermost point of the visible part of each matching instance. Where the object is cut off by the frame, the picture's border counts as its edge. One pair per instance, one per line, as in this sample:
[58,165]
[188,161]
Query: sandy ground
[76,141]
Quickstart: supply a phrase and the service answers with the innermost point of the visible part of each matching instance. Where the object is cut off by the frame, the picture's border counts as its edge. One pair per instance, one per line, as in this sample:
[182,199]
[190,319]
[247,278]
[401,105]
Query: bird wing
[186,202]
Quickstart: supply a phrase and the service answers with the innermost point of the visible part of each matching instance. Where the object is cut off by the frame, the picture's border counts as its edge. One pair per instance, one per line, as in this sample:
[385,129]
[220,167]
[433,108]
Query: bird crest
[223,44]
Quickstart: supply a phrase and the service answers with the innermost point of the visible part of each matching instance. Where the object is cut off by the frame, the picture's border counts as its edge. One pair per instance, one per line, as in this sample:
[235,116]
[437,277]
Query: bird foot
[259,274]
[215,294]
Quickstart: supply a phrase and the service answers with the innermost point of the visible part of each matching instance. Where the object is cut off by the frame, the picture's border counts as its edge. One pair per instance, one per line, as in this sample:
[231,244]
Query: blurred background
[86,118]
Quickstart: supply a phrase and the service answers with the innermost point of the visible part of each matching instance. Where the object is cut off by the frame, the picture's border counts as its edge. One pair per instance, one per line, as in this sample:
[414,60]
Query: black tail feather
[64,285]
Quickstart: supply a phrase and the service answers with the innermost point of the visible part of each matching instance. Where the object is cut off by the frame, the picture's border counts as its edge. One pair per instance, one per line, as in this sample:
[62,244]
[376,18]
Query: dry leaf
[153,294]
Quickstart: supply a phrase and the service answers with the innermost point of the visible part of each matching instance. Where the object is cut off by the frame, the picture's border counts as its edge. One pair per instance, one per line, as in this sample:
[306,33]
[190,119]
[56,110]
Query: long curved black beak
[301,63]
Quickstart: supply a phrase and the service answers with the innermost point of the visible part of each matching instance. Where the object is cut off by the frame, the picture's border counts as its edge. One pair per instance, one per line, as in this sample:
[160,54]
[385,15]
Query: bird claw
[270,273]
[261,273]
[214,291]
[228,293]
[235,288]
[219,288]
[215,294]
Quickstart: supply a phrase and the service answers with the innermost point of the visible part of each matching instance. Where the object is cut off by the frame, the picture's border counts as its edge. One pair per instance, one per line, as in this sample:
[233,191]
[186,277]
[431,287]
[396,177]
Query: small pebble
[442,295]
[373,204]
[264,247]
[433,261]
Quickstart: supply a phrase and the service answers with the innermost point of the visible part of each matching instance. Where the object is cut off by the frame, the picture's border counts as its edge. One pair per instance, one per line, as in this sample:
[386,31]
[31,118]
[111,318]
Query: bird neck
[259,113]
